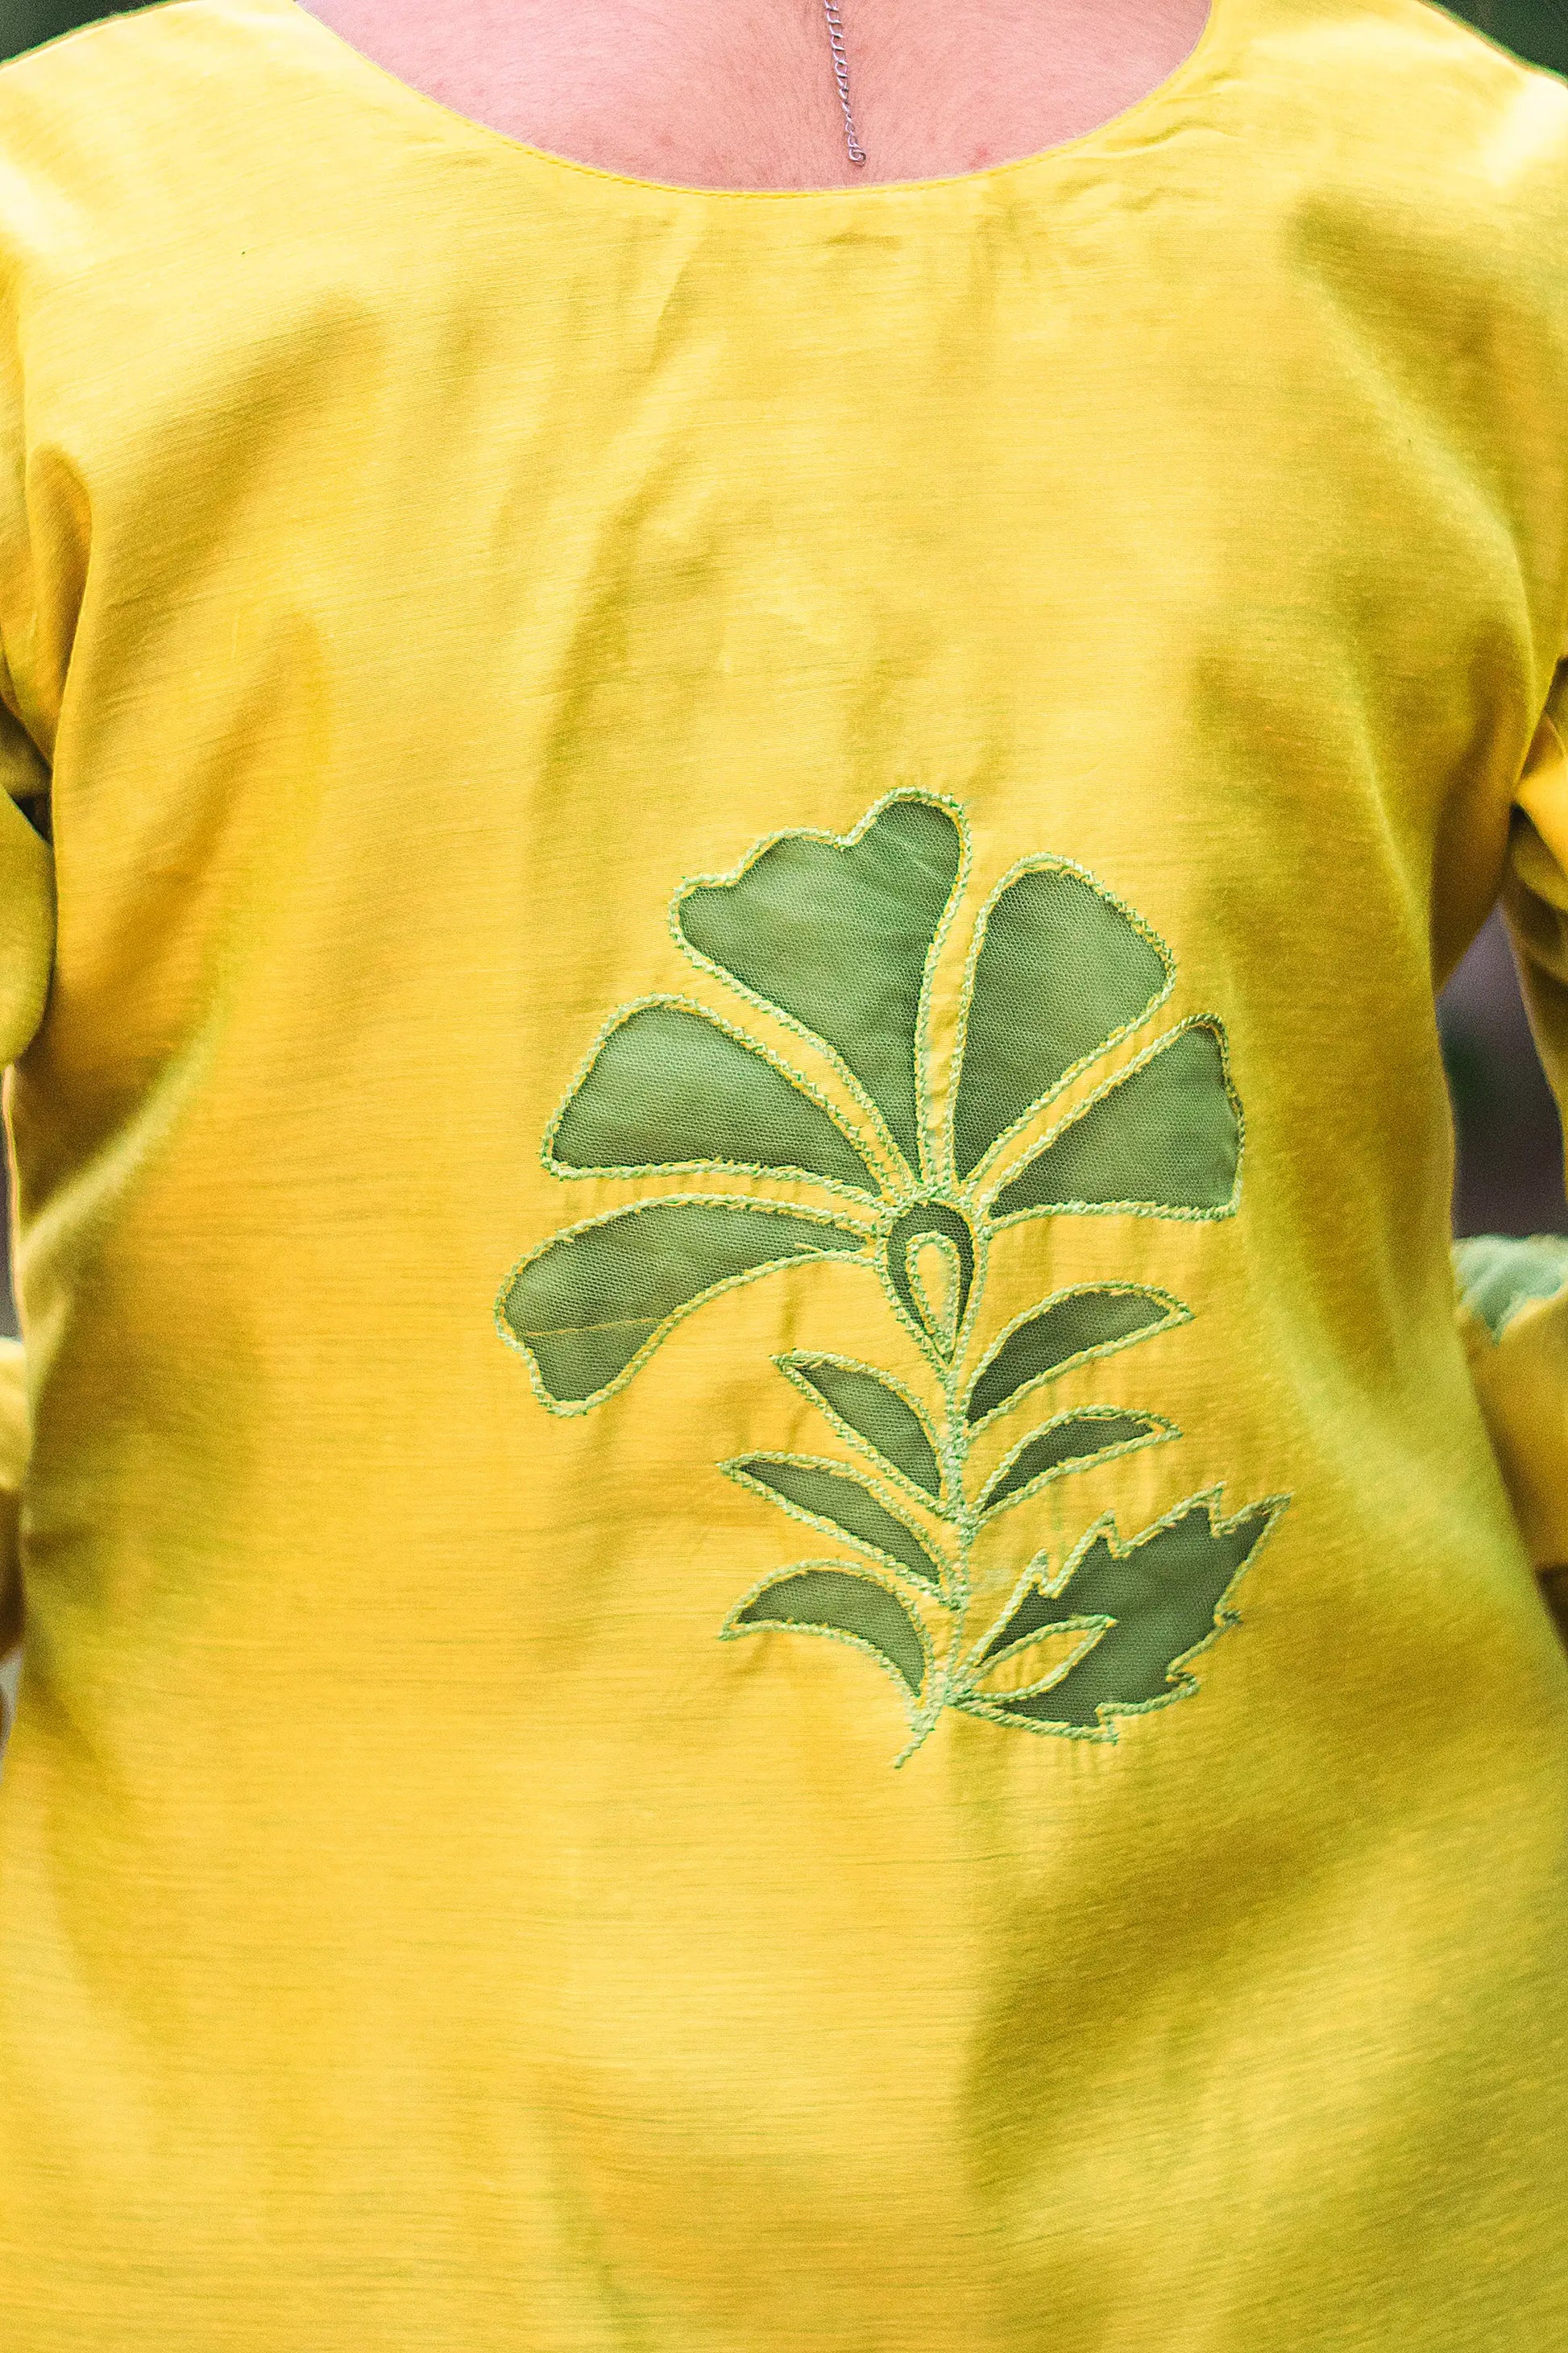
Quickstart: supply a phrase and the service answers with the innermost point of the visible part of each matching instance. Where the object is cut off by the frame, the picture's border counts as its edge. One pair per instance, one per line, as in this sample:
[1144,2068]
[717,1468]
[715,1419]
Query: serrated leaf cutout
[838,1500]
[1163,1597]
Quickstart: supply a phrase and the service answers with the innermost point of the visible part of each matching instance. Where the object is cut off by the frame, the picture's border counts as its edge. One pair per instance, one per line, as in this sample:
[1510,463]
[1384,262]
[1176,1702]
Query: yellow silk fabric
[419,558]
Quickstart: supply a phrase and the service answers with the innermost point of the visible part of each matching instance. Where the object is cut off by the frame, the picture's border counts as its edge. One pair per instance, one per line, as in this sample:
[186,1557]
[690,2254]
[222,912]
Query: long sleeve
[27,950]
[1514,1294]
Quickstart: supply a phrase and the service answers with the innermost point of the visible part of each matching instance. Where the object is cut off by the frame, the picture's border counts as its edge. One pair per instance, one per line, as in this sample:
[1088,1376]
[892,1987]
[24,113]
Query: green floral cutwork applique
[835,941]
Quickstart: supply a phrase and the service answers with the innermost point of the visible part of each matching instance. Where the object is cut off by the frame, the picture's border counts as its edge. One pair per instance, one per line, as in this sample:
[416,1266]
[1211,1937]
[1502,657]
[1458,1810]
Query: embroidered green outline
[906,1309]
[1147,1208]
[872,1193]
[1176,1314]
[1185,1684]
[983,1660]
[1158,1433]
[1090,1628]
[935,1587]
[564,1409]
[1034,1577]
[940,1317]
[733,1630]
[1175,1137]
[1043,863]
[902,1178]
[792,1363]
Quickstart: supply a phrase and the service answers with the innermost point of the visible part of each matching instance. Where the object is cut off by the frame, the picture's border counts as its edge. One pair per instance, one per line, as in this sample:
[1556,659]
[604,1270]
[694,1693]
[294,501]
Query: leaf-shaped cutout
[836,1499]
[1093,1321]
[1072,1441]
[937,1320]
[868,1404]
[1034,1661]
[1060,971]
[1165,1597]
[671,1086]
[590,1303]
[1163,1138]
[838,1602]
[836,935]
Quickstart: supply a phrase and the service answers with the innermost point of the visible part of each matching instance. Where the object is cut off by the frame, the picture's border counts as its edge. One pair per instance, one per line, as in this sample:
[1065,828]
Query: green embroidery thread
[1174,1112]
[848,1605]
[875,1411]
[836,940]
[726,1076]
[1074,1327]
[1121,974]
[844,1502]
[728,1239]
[1076,1440]
[1147,1608]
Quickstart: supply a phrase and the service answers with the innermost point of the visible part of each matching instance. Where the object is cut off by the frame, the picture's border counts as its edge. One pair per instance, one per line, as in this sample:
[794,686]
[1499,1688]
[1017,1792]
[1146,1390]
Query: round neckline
[1165,97]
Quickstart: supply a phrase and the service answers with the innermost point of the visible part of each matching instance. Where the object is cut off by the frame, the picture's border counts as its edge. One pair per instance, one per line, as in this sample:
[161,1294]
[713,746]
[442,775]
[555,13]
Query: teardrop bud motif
[930,1271]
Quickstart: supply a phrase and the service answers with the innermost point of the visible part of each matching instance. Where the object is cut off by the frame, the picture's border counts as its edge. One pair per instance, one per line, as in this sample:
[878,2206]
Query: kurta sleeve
[1514,1295]
[26,953]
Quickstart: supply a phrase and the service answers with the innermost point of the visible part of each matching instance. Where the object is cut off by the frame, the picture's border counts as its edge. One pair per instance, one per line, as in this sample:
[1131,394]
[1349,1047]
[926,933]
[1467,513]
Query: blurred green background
[1537,29]
[1510,1150]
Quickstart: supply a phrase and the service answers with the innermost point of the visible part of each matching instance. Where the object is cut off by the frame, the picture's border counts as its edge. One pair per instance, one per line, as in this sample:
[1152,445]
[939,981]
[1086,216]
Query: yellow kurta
[766,1610]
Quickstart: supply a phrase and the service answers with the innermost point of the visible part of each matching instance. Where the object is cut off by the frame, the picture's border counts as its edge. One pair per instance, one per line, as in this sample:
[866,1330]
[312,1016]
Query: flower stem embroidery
[835,941]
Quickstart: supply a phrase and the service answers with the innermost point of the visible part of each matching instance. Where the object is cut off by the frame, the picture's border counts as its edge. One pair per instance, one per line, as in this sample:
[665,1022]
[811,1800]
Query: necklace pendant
[841,77]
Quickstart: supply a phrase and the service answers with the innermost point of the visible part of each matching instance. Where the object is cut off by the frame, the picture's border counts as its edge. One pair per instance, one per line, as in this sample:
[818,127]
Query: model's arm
[1515,1293]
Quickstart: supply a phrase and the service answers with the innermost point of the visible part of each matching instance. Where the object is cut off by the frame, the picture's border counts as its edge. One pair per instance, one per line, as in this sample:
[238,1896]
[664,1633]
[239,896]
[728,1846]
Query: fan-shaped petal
[836,935]
[1164,1140]
[671,1086]
[1060,970]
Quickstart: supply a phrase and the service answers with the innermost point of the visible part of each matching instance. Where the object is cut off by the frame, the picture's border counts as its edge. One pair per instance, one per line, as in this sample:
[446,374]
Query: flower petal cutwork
[587,1307]
[838,934]
[669,1086]
[838,939]
[1162,1139]
[1060,971]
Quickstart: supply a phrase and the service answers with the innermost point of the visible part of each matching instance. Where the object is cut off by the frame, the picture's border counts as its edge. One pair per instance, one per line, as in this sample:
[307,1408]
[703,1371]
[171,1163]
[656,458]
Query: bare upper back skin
[739,94]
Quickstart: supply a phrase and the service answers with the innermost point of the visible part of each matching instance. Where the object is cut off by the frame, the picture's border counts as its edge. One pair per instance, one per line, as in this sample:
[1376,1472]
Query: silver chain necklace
[841,76]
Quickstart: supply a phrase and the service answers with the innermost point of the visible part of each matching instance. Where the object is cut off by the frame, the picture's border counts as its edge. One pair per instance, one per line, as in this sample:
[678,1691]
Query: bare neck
[742,95]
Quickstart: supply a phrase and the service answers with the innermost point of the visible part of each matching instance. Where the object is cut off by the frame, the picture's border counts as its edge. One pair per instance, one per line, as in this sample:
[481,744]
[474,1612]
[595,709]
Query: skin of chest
[744,96]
